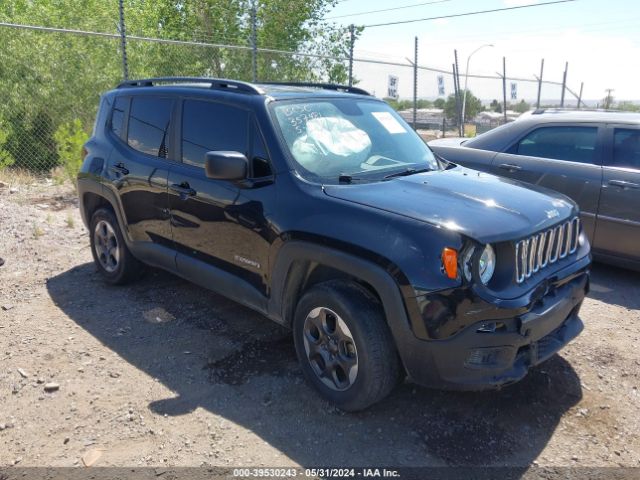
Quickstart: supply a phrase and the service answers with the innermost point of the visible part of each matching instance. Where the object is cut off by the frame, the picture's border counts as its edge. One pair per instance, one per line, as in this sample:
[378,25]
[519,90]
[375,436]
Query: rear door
[563,157]
[139,166]
[618,227]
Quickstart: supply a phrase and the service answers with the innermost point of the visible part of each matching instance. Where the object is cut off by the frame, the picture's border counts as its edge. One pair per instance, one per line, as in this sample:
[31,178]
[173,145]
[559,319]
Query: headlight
[487,264]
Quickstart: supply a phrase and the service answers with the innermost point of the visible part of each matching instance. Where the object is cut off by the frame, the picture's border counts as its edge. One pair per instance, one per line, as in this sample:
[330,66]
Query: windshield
[333,139]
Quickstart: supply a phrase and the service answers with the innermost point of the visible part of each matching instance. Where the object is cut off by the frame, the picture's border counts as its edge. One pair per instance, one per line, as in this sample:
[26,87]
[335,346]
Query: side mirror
[223,165]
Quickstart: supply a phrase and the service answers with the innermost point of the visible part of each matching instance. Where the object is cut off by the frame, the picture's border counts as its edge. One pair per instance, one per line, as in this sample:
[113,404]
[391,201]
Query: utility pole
[504,88]
[254,42]
[123,41]
[540,83]
[352,41]
[580,94]
[466,78]
[608,100]
[456,91]
[415,82]
[564,84]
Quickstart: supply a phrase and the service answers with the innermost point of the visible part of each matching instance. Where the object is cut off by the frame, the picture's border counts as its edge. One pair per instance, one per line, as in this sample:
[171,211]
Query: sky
[600,40]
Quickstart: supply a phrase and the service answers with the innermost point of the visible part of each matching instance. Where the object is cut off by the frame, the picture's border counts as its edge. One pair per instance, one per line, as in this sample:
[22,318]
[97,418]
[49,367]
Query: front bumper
[478,357]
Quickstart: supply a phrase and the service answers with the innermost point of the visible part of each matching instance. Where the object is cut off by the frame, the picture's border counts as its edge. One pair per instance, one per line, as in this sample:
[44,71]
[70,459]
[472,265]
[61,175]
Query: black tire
[378,366]
[127,267]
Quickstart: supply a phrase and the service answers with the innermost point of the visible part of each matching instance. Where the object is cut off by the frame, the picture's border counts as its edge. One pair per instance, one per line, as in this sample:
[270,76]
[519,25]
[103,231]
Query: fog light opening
[488,357]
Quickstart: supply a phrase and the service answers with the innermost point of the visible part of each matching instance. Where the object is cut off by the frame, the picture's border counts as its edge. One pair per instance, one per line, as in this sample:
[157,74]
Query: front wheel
[344,345]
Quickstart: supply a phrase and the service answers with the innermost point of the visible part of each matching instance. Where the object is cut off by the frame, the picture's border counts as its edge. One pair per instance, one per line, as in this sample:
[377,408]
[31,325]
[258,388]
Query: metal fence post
[123,41]
[352,41]
[580,95]
[504,88]
[458,99]
[564,84]
[456,93]
[415,83]
[254,43]
[540,83]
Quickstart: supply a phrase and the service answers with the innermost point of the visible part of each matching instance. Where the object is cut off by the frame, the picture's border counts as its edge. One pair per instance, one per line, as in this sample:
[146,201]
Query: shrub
[69,138]
[6,159]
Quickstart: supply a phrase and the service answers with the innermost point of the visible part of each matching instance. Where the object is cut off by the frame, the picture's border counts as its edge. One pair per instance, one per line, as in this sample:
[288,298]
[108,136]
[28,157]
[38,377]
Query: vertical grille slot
[545,248]
[575,239]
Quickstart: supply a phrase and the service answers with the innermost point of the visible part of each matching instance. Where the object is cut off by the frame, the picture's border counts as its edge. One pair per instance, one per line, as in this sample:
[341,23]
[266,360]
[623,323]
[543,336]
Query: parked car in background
[592,157]
[319,207]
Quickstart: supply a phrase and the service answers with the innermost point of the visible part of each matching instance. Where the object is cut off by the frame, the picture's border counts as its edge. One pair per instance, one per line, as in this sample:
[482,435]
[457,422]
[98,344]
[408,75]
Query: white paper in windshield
[389,122]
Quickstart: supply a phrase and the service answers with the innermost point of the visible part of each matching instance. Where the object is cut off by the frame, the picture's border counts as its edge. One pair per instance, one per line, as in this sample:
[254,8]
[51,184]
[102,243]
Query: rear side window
[149,120]
[209,126]
[626,148]
[573,144]
[117,116]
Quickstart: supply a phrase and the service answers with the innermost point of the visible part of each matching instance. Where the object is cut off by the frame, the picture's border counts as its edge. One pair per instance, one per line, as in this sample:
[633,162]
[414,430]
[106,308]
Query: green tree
[439,103]
[472,108]
[522,106]
[496,106]
[51,79]
[627,106]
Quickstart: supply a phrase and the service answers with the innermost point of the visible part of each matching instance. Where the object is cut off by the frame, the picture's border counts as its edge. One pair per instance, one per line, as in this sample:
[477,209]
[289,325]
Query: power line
[465,14]
[387,9]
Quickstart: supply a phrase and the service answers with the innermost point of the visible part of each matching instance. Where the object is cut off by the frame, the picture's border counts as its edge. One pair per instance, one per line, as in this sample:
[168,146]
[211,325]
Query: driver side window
[210,126]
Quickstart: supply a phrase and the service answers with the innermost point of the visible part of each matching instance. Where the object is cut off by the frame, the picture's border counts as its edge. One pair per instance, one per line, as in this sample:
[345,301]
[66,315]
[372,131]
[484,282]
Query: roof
[559,115]
[274,90]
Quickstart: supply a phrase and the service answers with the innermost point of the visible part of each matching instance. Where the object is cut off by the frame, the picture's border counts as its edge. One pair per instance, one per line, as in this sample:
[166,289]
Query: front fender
[367,271]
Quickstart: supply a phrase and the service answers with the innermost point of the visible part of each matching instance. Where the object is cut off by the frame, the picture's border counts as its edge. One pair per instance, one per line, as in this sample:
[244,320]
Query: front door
[220,223]
[618,227]
[564,158]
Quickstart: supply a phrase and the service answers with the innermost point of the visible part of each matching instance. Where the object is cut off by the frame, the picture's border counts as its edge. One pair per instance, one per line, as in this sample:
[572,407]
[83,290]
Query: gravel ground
[163,372]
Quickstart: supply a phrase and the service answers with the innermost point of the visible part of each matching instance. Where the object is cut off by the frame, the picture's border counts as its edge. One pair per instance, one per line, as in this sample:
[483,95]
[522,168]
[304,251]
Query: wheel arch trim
[88,186]
[381,281]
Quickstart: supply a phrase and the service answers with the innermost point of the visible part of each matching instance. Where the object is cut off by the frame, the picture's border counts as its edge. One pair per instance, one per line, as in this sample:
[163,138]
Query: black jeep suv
[318,206]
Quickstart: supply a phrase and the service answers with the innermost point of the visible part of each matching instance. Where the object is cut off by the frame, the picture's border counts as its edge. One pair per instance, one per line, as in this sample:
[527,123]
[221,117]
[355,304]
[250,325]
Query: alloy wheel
[106,246]
[330,348]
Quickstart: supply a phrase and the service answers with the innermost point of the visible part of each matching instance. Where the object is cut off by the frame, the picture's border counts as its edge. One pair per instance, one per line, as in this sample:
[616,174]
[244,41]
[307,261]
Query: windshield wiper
[344,178]
[406,172]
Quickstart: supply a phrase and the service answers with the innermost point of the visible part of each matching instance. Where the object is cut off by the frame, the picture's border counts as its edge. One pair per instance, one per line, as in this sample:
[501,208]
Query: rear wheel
[110,253]
[344,345]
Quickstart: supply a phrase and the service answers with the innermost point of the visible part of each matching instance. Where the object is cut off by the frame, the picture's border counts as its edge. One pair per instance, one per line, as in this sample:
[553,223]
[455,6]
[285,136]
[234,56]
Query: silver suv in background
[592,157]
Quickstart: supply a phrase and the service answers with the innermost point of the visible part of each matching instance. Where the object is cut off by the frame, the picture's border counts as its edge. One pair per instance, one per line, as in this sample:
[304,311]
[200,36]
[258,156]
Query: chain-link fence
[51,80]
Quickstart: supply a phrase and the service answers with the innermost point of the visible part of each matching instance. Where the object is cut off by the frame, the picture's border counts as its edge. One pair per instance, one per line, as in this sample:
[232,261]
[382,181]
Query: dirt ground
[163,372]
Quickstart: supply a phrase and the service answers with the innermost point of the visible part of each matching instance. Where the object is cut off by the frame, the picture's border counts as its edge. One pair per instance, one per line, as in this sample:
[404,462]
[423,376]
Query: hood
[479,205]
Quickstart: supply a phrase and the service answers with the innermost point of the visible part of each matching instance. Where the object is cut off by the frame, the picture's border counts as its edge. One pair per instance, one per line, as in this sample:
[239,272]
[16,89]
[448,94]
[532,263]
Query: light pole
[466,78]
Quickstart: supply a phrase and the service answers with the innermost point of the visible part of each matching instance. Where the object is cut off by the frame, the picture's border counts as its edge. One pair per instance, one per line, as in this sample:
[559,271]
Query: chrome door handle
[510,167]
[623,184]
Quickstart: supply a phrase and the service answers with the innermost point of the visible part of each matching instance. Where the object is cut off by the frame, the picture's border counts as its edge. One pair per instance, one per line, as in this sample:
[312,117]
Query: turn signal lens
[450,262]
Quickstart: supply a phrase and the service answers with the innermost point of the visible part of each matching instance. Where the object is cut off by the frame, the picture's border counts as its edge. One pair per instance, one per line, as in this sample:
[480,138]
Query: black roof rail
[326,86]
[216,83]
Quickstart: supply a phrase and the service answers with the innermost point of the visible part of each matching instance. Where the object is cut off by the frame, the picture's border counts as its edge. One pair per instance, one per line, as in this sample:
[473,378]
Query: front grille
[546,248]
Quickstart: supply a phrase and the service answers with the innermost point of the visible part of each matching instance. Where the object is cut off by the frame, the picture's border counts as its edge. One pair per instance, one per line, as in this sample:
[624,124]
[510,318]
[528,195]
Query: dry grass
[37,231]
[14,177]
